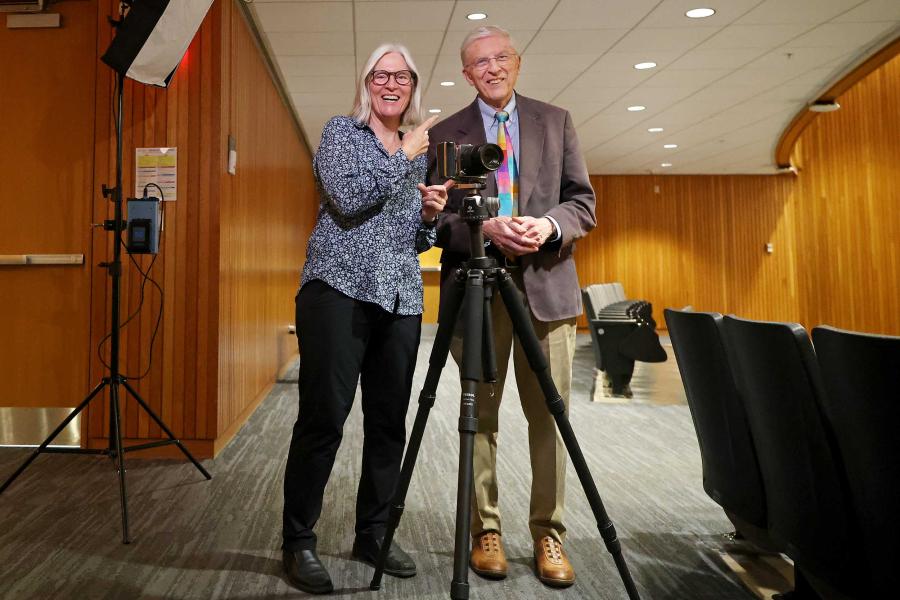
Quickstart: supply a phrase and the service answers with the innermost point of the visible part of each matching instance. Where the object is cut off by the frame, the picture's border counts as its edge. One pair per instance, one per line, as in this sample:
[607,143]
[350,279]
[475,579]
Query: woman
[359,310]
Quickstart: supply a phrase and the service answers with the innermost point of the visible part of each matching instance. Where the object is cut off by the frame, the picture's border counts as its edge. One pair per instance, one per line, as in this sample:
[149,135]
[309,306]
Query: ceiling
[724,88]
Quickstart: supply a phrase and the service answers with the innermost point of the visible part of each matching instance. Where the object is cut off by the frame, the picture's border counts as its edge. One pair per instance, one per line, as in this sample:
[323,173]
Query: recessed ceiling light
[699,13]
[644,65]
[665,164]
[448,83]
[637,108]
[655,129]
[670,146]
[476,16]
[434,111]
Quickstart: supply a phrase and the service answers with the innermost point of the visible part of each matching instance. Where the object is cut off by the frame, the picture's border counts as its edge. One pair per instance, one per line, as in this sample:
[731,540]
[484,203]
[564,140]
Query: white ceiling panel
[717,58]
[797,11]
[311,44]
[873,10]
[843,35]
[599,14]
[651,39]
[398,17]
[581,41]
[419,43]
[320,83]
[509,14]
[672,12]
[724,87]
[755,36]
[311,66]
[301,16]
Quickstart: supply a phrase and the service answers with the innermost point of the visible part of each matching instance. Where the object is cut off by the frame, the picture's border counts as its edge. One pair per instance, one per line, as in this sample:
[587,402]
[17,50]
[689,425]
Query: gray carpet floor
[60,536]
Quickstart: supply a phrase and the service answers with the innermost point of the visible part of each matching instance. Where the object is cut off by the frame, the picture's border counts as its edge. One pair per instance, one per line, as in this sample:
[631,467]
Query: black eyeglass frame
[413,78]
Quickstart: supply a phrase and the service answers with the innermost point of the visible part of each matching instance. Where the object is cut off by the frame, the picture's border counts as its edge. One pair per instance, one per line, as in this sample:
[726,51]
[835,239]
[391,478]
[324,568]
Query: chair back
[778,378]
[861,376]
[731,474]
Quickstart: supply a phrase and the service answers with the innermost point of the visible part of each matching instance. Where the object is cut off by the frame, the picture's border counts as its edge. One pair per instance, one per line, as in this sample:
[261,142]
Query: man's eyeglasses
[482,64]
[401,77]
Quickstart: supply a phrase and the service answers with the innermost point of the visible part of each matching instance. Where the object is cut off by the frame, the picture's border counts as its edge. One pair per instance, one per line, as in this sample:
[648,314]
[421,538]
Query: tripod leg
[440,350]
[168,432]
[53,435]
[523,328]
[489,353]
[116,431]
[470,374]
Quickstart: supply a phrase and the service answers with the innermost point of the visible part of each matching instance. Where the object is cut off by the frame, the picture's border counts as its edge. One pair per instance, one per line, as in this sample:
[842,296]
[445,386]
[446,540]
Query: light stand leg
[523,328]
[172,439]
[440,350]
[116,432]
[52,436]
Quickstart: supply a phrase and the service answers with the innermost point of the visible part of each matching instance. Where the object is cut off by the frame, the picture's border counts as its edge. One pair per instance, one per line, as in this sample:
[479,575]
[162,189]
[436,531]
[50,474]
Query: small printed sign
[159,166]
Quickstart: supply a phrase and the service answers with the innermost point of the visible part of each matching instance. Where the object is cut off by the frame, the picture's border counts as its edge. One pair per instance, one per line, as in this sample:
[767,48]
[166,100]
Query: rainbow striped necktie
[507,174]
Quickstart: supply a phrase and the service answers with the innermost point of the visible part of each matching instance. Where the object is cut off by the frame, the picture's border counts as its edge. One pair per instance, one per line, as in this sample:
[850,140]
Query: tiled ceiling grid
[724,88]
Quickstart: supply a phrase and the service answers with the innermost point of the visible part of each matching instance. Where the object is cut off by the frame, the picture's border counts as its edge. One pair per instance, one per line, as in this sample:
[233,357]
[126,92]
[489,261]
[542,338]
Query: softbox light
[152,38]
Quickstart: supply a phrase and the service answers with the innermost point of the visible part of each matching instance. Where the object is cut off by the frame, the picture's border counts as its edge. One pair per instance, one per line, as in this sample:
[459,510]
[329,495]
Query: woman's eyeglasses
[401,77]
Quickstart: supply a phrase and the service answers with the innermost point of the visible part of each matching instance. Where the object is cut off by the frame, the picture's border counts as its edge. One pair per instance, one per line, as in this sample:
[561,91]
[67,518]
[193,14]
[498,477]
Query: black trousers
[343,341]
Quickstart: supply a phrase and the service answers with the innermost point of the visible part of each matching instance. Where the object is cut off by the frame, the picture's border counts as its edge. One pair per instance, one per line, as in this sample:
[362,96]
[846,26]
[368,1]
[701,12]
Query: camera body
[466,163]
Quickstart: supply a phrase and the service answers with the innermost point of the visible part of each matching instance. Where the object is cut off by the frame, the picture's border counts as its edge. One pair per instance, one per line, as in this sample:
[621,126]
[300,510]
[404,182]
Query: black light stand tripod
[115,378]
[472,292]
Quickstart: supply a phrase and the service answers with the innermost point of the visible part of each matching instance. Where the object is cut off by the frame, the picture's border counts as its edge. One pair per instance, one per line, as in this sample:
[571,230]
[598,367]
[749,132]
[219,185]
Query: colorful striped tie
[507,174]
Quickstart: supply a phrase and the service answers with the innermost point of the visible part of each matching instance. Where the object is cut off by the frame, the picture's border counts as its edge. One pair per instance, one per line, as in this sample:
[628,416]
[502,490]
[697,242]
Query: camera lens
[479,160]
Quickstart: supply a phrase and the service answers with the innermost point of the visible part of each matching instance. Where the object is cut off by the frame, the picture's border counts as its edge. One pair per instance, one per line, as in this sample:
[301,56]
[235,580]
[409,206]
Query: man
[546,204]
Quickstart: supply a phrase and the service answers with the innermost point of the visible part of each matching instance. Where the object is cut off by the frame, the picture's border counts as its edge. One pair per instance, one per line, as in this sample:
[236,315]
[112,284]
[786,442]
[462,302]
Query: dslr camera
[468,165]
[465,163]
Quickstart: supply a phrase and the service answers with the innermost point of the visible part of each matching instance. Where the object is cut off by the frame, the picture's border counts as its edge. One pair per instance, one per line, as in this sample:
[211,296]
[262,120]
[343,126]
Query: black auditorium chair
[731,473]
[807,496]
[861,374]
[622,331]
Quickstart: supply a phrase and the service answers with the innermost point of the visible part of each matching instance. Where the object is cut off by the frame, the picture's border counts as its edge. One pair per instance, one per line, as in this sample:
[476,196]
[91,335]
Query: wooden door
[47,83]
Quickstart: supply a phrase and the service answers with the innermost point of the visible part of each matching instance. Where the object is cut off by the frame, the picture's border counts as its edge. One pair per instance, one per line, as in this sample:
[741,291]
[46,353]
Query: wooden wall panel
[232,244]
[848,203]
[184,115]
[267,213]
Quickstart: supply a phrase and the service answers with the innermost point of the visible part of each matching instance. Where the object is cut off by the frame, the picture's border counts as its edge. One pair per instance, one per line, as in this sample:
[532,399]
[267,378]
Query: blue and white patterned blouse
[369,230]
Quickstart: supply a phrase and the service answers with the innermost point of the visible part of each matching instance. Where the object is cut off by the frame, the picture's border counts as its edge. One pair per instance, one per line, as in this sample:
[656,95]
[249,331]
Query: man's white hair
[485,31]
[362,105]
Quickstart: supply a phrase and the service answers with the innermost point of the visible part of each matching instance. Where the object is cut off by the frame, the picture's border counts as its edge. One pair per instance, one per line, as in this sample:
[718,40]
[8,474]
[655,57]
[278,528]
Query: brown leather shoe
[488,558]
[551,563]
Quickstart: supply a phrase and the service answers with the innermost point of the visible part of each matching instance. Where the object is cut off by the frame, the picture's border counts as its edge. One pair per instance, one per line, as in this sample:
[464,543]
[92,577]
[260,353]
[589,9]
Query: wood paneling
[699,240]
[46,171]
[785,147]
[267,212]
[848,209]
[231,247]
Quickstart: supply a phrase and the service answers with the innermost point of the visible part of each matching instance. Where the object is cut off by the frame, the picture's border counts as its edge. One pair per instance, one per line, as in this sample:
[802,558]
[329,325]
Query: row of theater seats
[799,443]
[622,331]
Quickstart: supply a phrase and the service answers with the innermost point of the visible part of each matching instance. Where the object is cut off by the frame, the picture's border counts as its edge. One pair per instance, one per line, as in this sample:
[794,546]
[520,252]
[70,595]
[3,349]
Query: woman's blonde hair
[362,105]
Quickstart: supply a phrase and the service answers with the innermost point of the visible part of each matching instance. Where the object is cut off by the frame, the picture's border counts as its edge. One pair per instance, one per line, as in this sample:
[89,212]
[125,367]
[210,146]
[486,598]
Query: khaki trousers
[548,453]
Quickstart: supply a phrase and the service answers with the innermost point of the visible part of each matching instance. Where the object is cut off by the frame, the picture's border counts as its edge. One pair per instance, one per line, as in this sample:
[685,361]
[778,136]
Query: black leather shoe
[306,572]
[398,563]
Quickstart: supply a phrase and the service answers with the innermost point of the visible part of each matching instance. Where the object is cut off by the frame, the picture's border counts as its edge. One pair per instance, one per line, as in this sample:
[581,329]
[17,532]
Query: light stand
[114,379]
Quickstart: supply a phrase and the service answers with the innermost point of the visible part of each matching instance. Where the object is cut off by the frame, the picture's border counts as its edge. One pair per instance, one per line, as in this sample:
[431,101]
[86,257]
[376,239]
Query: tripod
[114,379]
[472,291]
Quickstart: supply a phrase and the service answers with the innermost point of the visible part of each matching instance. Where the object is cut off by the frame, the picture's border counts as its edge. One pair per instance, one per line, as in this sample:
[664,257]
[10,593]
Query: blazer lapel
[531,148]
